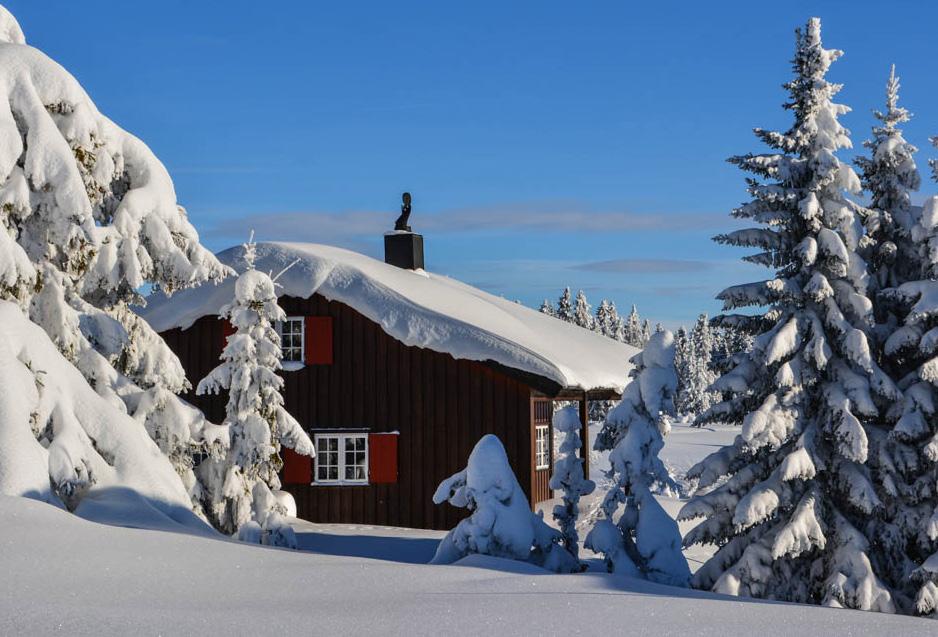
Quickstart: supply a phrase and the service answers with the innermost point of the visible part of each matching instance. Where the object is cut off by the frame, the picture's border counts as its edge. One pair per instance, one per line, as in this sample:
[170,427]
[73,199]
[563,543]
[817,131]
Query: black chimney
[402,247]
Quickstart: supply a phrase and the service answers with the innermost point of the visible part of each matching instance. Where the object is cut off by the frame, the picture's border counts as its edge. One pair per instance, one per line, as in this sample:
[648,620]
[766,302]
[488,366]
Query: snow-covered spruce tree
[239,487]
[501,523]
[597,409]
[933,163]
[695,396]
[908,472]
[683,369]
[729,340]
[90,216]
[547,308]
[633,329]
[897,251]
[582,312]
[790,519]
[890,175]
[645,542]
[604,322]
[568,477]
[565,306]
[646,334]
[618,325]
[911,542]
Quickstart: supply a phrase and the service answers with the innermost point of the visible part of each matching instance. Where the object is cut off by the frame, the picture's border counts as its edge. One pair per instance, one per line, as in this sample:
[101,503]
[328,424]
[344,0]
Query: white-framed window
[341,458]
[292,339]
[542,447]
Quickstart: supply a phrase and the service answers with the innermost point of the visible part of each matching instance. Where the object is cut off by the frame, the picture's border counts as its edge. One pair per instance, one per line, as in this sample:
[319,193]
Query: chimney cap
[401,223]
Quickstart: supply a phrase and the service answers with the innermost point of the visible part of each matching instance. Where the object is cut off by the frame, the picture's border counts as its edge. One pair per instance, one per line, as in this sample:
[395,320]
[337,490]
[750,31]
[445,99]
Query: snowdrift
[420,309]
[62,443]
[125,581]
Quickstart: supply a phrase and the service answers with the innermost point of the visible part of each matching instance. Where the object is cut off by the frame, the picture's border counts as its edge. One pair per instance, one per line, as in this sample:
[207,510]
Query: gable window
[291,339]
[542,447]
[341,458]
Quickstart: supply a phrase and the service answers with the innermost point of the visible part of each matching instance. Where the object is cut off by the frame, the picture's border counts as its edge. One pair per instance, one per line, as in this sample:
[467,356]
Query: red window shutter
[297,469]
[382,458]
[227,329]
[318,340]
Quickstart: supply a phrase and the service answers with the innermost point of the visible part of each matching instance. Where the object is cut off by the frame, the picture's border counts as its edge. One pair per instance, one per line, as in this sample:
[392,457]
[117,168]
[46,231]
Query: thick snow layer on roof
[420,309]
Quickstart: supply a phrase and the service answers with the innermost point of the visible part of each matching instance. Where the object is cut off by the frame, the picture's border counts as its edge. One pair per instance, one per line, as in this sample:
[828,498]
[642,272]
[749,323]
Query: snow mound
[420,309]
[62,443]
[10,30]
[120,580]
[501,524]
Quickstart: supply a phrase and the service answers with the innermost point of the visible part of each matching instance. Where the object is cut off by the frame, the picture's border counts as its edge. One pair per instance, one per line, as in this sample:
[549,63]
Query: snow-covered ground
[62,574]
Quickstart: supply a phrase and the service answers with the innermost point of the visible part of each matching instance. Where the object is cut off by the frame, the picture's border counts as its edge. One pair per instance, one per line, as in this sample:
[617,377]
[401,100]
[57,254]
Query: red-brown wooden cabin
[396,374]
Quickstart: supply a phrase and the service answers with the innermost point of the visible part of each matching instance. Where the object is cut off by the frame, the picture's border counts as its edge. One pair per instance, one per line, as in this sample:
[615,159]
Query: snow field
[65,575]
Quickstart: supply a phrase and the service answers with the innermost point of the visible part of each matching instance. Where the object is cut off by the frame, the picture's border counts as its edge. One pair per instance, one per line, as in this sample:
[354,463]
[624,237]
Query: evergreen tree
[547,308]
[646,333]
[933,163]
[728,341]
[618,325]
[582,312]
[645,542]
[613,322]
[682,369]
[698,397]
[240,488]
[604,323]
[634,335]
[894,236]
[909,465]
[568,477]
[89,216]
[501,522]
[565,306]
[890,175]
[790,521]
[907,469]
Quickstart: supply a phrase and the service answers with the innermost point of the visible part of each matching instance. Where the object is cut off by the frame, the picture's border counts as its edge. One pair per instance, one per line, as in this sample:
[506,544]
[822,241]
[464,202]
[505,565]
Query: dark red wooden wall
[441,407]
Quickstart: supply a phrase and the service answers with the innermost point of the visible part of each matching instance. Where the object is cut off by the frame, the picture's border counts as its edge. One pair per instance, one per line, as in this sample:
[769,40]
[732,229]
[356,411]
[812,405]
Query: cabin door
[542,448]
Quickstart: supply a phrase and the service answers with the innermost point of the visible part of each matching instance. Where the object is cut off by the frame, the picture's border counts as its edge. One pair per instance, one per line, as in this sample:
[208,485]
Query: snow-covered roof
[420,309]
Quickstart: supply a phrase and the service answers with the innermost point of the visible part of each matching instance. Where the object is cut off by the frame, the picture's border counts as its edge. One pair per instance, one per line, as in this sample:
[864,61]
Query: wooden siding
[441,407]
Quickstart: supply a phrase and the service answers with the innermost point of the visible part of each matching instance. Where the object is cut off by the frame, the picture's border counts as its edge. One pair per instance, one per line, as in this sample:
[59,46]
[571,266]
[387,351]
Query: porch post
[585,434]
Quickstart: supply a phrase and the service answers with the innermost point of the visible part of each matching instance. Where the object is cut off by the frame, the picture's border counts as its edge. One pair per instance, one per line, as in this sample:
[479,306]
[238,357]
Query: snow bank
[62,443]
[501,524]
[125,581]
[420,309]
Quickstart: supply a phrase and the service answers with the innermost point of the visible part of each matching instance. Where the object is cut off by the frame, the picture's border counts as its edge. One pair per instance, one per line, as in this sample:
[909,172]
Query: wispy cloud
[645,266]
[353,225]
[216,170]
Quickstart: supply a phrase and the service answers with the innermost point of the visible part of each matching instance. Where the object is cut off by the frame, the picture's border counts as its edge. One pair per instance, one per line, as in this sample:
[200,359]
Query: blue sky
[546,143]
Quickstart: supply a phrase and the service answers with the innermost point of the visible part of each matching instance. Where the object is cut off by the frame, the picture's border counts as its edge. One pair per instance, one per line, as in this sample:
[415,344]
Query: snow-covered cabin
[396,373]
